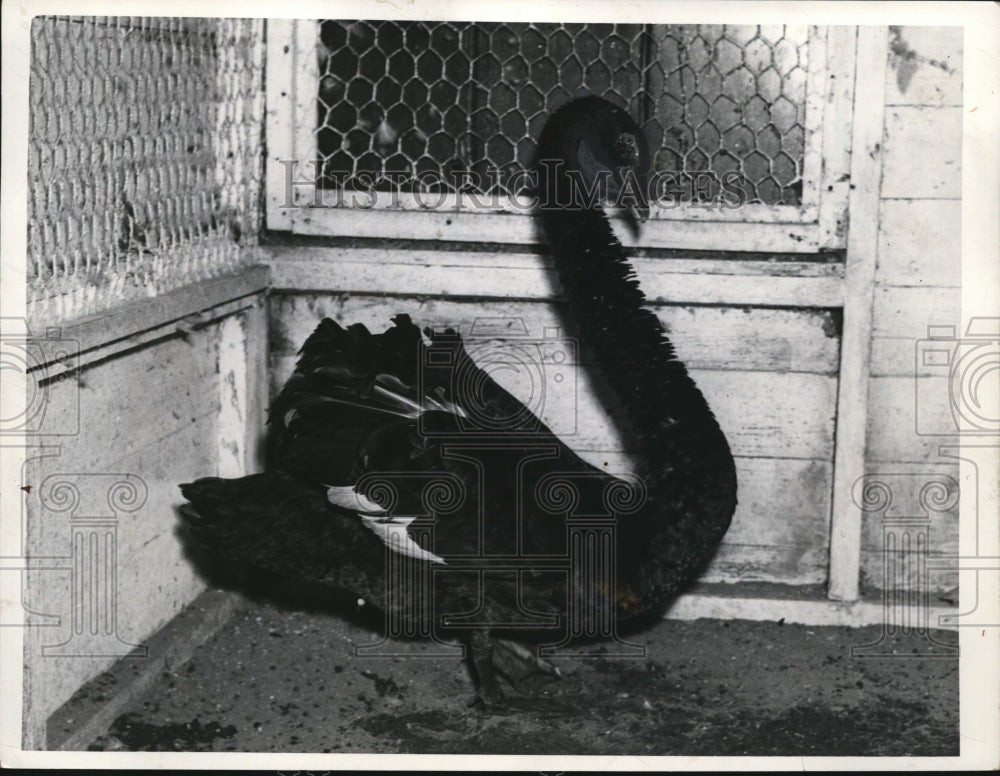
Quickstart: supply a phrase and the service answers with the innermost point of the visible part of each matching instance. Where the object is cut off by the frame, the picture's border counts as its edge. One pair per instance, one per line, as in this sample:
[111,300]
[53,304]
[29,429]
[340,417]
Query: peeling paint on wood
[233,388]
[925,66]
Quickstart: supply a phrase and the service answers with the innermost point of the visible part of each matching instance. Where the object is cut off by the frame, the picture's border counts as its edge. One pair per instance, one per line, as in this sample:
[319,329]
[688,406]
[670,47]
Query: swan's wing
[352,405]
[360,402]
[364,410]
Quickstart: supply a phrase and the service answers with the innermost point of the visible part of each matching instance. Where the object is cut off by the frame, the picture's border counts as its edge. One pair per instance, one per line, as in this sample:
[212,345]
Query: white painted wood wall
[918,274]
[163,391]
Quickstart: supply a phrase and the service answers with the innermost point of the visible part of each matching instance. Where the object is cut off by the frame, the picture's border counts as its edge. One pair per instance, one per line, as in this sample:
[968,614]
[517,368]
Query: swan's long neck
[685,460]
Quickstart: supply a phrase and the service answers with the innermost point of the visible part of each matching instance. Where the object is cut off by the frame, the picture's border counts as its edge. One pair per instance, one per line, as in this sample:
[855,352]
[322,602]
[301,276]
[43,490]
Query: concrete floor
[282,679]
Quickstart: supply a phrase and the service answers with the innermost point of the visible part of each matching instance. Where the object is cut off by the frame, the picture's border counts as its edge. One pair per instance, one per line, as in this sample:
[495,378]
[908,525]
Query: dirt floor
[285,680]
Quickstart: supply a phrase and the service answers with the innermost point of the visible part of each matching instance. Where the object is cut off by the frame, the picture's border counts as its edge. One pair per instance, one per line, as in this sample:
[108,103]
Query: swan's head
[591,153]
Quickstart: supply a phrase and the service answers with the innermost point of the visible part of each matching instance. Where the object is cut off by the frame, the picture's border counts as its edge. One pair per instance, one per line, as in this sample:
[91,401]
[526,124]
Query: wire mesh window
[144,160]
[462,104]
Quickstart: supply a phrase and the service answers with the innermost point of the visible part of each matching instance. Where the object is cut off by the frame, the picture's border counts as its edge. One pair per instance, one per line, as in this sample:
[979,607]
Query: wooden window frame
[818,224]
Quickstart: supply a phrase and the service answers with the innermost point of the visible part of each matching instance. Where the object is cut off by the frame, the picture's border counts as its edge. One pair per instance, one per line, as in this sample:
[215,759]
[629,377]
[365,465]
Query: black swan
[399,440]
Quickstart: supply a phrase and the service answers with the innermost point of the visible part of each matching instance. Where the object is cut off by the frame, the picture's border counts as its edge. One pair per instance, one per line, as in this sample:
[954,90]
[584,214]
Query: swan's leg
[481,648]
[517,662]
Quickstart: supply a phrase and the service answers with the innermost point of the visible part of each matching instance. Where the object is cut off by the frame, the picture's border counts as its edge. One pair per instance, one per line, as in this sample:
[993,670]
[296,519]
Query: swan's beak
[631,193]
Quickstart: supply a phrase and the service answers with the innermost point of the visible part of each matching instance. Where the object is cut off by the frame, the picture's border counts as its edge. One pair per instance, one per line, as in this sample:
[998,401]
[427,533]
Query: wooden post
[855,353]
[280,94]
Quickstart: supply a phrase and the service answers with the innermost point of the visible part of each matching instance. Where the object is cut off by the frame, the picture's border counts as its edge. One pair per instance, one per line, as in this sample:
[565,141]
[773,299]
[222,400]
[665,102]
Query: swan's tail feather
[276,522]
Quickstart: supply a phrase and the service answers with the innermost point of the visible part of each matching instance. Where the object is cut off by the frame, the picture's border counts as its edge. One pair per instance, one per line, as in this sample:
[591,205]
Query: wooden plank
[256,321]
[279,119]
[780,532]
[123,327]
[166,386]
[817,106]
[804,612]
[862,242]
[783,503]
[152,550]
[903,356]
[525,276]
[662,211]
[920,242]
[522,229]
[151,561]
[908,312]
[902,318]
[743,338]
[936,580]
[438,256]
[305,88]
[795,422]
[925,67]
[892,434]
[835,133]
[232,389]
[784,565]
[923,153]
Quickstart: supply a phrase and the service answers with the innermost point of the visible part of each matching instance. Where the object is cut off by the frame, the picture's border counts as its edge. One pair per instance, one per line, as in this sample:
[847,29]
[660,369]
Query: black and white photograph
[530,386]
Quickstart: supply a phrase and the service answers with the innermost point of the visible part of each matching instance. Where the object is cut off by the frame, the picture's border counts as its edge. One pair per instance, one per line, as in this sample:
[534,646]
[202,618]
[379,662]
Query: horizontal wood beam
[529,276]
[522,229]
[102,335]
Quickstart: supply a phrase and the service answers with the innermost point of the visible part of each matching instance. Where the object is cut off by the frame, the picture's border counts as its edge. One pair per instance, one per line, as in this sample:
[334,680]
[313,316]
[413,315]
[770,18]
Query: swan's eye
[627,149]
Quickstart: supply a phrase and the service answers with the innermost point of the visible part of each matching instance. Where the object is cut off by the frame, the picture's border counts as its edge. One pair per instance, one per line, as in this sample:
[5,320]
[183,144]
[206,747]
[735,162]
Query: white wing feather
[392,531]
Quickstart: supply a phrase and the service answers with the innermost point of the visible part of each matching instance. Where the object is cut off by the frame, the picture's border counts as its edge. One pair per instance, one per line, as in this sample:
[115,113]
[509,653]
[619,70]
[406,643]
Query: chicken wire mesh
[144,159]
[462,104]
